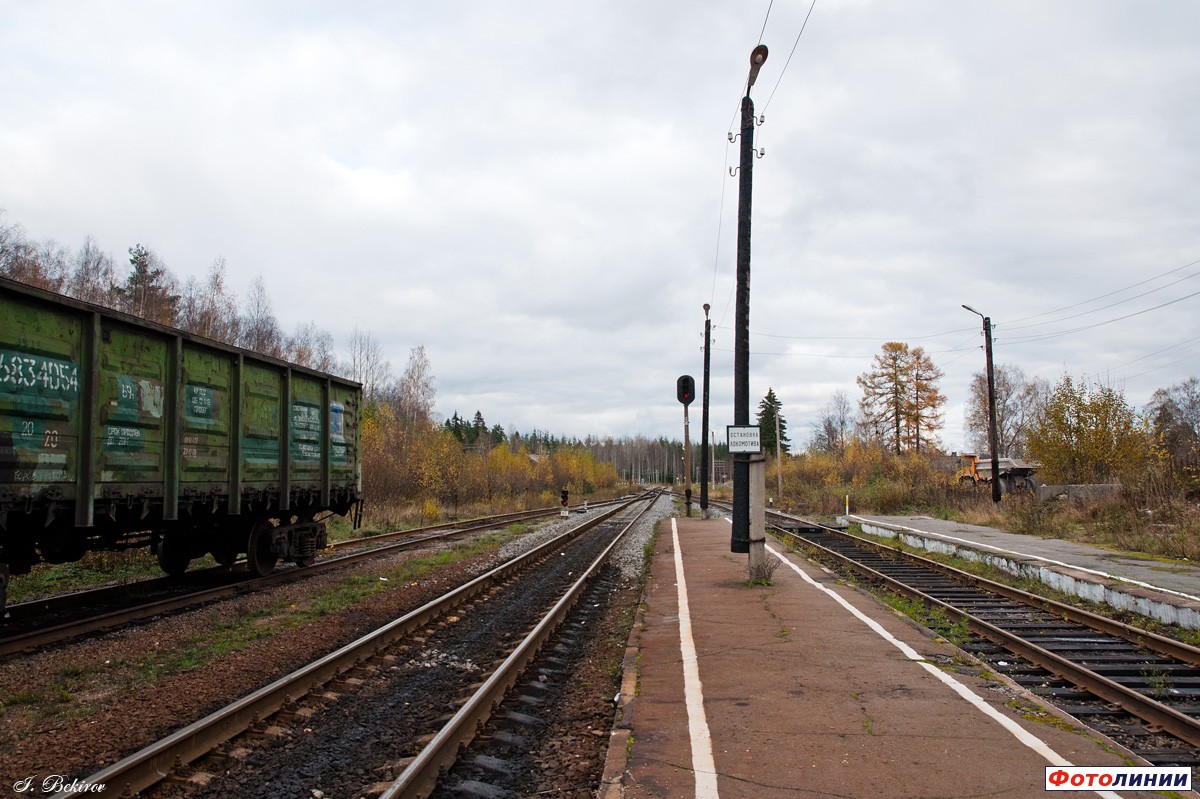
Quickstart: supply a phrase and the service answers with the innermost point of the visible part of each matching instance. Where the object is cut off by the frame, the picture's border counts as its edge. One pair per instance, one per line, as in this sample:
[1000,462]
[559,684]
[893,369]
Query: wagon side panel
[344,442]
[41,378]
[261,427]
[133,415]
[206,420]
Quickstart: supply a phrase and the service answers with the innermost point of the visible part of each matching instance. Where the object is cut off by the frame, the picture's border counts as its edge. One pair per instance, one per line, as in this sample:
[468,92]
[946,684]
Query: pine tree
[148,291]
[768,412]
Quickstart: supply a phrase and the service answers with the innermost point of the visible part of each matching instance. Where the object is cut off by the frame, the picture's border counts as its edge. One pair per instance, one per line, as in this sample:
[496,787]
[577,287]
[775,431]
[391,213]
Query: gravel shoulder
[73,709]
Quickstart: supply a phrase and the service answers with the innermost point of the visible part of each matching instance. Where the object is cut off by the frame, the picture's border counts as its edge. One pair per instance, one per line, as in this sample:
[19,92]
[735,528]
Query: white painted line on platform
[969,543]
[1020,733]
[703,766]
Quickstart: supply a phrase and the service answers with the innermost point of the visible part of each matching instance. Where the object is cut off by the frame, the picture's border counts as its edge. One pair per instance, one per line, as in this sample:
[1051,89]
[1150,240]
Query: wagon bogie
[115,432]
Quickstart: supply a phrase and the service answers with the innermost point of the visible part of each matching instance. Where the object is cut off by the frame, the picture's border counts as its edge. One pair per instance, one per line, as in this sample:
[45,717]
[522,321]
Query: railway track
[395,705]
[1138,688]
[41,622]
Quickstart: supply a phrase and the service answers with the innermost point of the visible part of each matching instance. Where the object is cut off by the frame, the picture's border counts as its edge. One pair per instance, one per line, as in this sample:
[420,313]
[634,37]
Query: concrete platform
[1167,591]
[808,688]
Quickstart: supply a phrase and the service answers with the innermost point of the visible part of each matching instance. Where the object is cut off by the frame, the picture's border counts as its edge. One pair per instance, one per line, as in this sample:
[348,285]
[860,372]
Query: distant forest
[408,455]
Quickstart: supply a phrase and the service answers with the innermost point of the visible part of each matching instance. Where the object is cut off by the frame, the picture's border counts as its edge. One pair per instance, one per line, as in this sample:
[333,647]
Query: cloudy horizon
[539,194]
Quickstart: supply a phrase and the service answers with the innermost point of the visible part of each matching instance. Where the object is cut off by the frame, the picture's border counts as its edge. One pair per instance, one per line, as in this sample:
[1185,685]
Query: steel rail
[59,602]
[155,762]
[1181,725]
[1134,635]
[42,636]
[420,775]
[485,521]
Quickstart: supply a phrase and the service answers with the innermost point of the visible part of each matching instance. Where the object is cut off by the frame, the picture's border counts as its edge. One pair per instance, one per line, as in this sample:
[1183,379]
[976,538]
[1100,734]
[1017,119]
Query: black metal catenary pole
[704,454]
[740,539]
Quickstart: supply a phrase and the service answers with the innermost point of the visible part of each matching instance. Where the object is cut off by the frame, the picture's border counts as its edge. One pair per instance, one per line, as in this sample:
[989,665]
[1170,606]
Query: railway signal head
[685,389]
[565,496]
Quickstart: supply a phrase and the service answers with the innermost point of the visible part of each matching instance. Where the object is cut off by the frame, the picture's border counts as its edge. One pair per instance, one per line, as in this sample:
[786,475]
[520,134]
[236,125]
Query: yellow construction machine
[1015,474]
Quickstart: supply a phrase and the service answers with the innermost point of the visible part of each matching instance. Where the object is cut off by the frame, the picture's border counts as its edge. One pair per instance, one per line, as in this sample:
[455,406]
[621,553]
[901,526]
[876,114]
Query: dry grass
[383,517]
[1125,523]
[1155,518]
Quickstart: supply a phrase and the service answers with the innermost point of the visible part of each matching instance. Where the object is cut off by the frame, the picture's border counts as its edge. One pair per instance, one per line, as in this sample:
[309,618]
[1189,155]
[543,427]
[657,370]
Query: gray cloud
[534,191]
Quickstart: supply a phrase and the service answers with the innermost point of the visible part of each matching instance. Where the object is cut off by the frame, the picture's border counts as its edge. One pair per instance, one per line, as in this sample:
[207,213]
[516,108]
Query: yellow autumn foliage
[427,464]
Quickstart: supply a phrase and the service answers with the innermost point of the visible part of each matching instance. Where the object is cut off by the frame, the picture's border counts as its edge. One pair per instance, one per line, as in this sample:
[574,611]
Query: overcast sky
[538,192]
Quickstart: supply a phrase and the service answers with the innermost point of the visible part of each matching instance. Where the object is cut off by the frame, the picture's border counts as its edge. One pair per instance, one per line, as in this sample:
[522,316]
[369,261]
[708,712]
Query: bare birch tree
[1018,401]
[367,364]
[312,347]
[832,430]
[259,328]
[94,274]
[210,309]
[42,265]
[416,392]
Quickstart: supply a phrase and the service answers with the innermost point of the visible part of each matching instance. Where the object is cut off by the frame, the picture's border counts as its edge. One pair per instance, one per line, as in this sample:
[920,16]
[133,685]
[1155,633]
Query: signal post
[685,392]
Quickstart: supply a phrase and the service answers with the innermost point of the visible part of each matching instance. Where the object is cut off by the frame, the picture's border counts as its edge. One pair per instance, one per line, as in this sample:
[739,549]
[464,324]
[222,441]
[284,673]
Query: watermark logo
[1074,778]
[56,783]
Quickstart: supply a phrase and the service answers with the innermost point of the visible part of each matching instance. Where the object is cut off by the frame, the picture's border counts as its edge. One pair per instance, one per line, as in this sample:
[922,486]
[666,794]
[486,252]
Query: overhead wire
[770,5]
[1057,334]
[1009,325]
[1023,339]
[1104,296]
[861,356]
[1153,369]
[796,43]
[1159,352]
[861,338]
[721,216]
[720,221]
[766,17]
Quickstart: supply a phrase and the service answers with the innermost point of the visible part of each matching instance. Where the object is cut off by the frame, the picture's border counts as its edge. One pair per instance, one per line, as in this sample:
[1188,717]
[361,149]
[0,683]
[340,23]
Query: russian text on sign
[743,438]
[1073,778]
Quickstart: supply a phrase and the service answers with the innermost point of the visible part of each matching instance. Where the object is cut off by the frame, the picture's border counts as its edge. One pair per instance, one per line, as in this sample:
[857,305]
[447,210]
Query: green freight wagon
[116,433]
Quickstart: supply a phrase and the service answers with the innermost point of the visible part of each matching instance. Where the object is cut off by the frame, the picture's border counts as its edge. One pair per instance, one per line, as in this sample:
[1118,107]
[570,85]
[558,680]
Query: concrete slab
[810,689]
[1167,591]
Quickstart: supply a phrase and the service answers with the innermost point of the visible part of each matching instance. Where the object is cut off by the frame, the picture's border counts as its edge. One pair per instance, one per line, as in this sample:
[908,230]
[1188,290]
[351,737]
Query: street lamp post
[991,397]
[740,532]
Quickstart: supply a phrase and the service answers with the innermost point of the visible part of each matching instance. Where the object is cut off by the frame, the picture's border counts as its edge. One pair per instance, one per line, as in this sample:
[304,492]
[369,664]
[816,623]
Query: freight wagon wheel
[260,555]
[173,556]
[225,551]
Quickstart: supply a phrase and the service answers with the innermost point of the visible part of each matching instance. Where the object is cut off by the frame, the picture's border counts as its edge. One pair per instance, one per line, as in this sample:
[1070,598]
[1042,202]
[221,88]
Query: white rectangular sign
[743,438]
